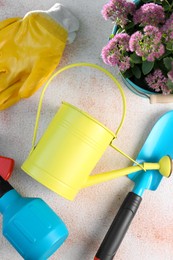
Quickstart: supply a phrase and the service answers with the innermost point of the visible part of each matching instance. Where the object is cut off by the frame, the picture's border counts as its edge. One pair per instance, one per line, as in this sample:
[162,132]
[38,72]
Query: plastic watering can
[72,145]
[158,143]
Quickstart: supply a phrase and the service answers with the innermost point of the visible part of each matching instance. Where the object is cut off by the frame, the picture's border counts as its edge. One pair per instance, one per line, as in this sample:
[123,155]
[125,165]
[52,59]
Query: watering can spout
[106,176]
[164,166]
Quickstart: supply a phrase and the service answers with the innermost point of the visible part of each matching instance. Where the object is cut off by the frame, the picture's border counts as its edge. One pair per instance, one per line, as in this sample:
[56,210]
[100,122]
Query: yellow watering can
[72,145]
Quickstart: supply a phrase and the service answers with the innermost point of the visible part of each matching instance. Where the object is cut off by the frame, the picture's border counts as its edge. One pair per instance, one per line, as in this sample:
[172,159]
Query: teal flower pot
[138,90]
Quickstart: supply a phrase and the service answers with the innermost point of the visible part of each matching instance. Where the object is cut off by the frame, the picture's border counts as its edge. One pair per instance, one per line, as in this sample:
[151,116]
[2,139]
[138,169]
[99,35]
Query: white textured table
[90,214]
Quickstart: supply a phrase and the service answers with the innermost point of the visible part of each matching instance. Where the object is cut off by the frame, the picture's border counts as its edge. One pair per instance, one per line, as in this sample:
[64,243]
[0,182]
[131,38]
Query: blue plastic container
[30,225]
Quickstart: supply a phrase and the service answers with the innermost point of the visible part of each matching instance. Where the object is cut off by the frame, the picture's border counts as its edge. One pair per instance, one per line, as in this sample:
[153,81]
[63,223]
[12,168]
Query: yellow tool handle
[160,98]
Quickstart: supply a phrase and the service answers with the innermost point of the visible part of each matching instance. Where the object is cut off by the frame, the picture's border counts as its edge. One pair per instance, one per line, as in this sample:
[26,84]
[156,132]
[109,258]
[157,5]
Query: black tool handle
[4,187]
[118,227]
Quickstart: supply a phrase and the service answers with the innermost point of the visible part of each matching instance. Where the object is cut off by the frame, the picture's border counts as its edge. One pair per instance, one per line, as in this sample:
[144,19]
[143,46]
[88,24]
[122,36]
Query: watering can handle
[69,67]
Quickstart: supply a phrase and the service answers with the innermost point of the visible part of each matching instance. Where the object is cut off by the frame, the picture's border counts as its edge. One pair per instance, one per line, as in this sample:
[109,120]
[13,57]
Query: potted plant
[141,44]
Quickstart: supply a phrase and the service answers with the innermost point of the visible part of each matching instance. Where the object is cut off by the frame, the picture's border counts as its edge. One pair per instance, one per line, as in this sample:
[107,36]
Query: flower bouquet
[142,43]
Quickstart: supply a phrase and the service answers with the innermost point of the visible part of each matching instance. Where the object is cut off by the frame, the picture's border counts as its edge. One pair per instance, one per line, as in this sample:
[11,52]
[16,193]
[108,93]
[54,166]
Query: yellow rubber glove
[30,50]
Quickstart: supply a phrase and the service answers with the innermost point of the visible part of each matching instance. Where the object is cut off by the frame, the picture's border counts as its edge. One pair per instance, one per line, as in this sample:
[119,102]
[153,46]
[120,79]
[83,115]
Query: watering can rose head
[141,44]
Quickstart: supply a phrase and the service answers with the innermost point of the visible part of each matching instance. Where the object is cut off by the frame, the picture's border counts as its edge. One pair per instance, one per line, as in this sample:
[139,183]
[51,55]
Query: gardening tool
[72,145]
[153,97]
[6,167]
[158,143]
[29,224]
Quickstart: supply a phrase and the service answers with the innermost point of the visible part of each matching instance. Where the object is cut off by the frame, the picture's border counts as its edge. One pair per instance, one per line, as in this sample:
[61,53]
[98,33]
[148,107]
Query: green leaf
[168,63]
[129,25]
[135,58]
[132,64]
[166,6]
[169,46]
[120,30]
[136,72]
[147,66]
[146,1]
[160,65]
[127,74]
[111,36]
[169,84]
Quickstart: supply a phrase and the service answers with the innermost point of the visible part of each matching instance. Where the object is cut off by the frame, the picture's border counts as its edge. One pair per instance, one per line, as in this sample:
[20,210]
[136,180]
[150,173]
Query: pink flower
[115,52]
[134,43]
[147,45]
[167,29]
[157,81]
[149,14]
[118,11]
